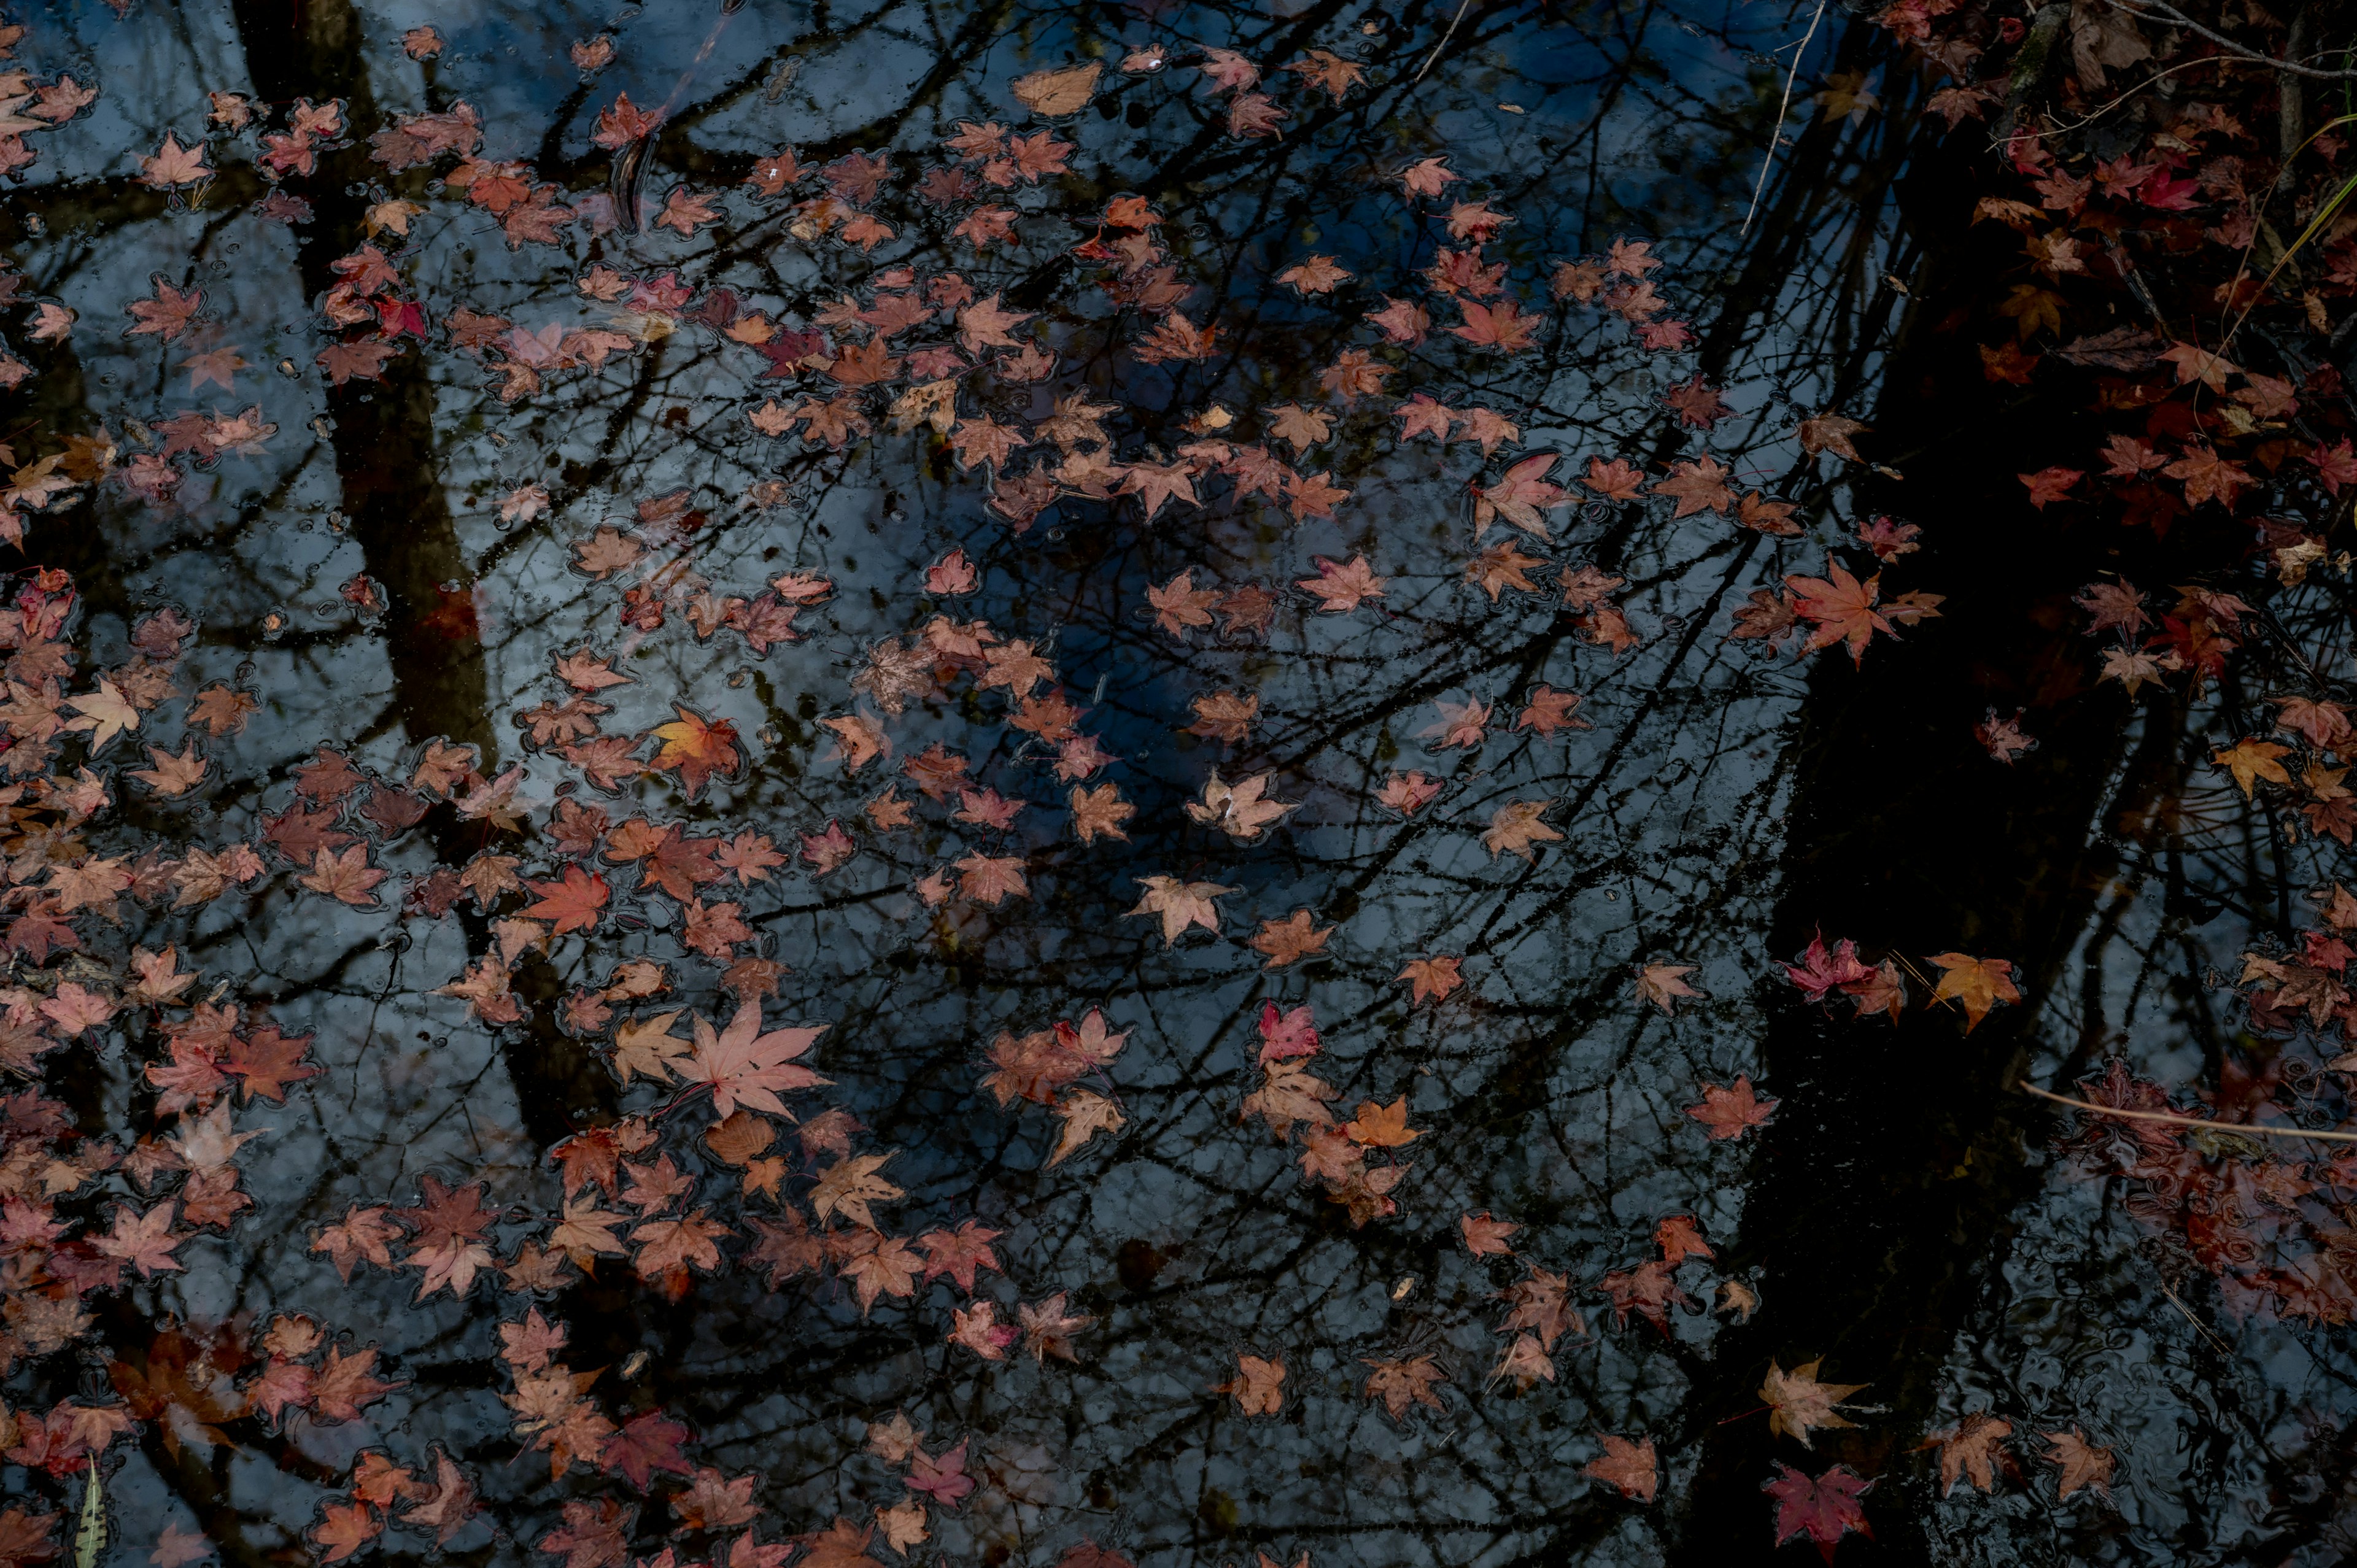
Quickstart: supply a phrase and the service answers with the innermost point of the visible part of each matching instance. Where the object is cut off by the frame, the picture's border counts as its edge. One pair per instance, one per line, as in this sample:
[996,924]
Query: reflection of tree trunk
[1880,1198]
[397,510]
[394,501]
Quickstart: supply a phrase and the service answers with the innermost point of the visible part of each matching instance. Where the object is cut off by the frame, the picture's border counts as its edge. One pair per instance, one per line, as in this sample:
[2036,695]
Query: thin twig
[1776,136]
[2103,109]
[2198,1326]
[2172,14]
[1462,7]
[2246,1128]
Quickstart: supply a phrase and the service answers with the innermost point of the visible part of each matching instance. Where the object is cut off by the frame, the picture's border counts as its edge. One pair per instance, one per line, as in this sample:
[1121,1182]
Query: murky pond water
[979,784]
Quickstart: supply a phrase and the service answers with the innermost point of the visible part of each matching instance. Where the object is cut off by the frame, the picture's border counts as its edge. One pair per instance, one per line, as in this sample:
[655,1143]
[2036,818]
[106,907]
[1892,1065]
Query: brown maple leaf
[1403,1383]
[1798,1404]
[1516,829]
[1626,1464]
[1296,936]
[2082,1462]
[1980,983]
[1731,1112]
[1258,1385]
[1661,983]
[1971,1449]
[1179,904]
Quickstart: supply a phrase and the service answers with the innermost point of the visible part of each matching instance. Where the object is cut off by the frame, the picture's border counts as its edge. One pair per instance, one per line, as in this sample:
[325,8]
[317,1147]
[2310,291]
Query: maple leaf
[1049,1327]
[1697,404]
[1181,904]
[1661,983]
[1798,1404]
[2050,484]
[644,1444]
[674,1245]
[1433,977]
[744,1066]
[983,325]
[1515,829]
[1823,1509]
[222,709]
[990,880]
[1503,326]
[175,1548]
[1382,1126]
[2251,760]
[1520,496]
[358,360]
[1403,1383]
[696,748]
[1841,608]
[1406,323]
[105,713]
[1731,1112]
[1099,810]
[1829,433]
[1052,94]
[1970,1449]
[174,165]
[1288,1096]
[1154,484]
[1430,177]
[1179,604]
[2003,738]
[2082,1462]
[347,1382]
[1649,1290]
[1485,1237]
[1502,566]
[1243,810]
[597,1534]
[1697,486]
[573,902]
[1820,970]
[346,877]
[172,776]
[1340,588]
[1284,1035]
[168,315]
[849,1186]
[142,1241]
[959,1253]
[1084,1113]
[1679,1239]
[1979,983]
[1258,1385]
[343,1528]
[1626,1464]
[1291,939]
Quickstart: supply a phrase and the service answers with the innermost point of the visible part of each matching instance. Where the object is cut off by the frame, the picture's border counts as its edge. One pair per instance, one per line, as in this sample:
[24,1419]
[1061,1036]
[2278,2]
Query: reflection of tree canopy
[658,447]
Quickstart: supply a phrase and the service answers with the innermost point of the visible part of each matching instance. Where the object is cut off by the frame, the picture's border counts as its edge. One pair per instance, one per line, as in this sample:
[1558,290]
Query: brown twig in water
[1463,7]
[2175,1120]
[1776,136]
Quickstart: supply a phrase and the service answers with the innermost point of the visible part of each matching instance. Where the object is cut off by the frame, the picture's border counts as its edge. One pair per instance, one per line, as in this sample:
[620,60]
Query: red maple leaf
[958,1253]
[572,903]
[1823,1509]
[645,1444]
[943,1479]
[1292,1033]
[1820,971]
[598,1534]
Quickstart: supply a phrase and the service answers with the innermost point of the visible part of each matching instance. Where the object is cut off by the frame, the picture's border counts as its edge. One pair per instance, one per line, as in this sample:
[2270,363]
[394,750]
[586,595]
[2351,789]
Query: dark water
[1902,1215]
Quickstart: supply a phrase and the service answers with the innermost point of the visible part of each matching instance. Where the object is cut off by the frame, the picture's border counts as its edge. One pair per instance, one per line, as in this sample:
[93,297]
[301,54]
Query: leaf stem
[2175,1120]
